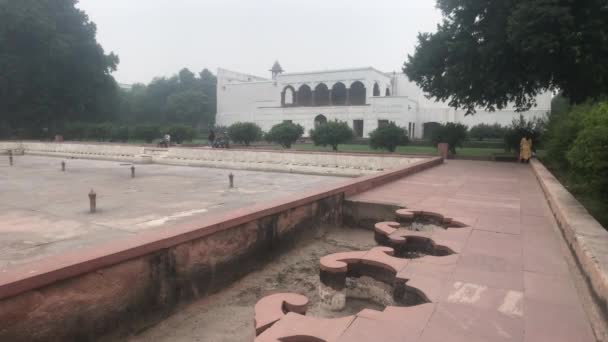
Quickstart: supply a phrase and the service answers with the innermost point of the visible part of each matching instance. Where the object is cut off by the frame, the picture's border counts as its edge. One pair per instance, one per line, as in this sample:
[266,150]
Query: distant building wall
[388,97]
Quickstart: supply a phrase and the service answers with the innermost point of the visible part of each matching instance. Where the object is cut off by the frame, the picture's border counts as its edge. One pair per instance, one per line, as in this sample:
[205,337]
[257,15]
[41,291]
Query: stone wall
[128,296]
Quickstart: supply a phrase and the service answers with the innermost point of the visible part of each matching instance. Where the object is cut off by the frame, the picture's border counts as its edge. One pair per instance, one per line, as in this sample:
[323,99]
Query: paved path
[512,281]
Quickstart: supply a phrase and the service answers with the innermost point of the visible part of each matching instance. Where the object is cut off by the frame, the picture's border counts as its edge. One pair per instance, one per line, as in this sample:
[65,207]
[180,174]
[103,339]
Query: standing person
[525,149]
[167,140]
[211,138]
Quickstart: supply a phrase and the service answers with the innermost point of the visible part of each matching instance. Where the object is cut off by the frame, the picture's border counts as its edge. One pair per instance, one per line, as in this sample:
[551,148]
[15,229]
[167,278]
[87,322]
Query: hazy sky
[159,37]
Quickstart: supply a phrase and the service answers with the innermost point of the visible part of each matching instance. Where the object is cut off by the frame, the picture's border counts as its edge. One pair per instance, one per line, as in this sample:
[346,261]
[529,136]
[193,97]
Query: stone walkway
[511,281]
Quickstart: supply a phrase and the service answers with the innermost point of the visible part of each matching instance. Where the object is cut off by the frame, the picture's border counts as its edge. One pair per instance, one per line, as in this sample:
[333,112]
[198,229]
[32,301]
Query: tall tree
[51,67]
[181,99]
[488,53]
[187,107]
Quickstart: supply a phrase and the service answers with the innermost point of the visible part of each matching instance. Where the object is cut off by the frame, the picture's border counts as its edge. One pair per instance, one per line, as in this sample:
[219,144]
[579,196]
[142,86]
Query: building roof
[335,70]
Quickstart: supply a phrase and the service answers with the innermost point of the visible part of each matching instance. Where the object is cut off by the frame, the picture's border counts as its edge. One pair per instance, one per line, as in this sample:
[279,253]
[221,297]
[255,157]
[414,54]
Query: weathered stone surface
[270,309]
[586,237]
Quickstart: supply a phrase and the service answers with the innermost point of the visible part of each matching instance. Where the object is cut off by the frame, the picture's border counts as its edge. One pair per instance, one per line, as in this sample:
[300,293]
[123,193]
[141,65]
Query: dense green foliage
[520,128]
[429,128]
[585,147]
[180,133]
[388,137]
[562,129]
[485,131]
[576,141]
[146,133]
[244,132]
[489,53]
[332,133]
[454,134]
[181,99]
[54,76]
[285,134]
[52,70]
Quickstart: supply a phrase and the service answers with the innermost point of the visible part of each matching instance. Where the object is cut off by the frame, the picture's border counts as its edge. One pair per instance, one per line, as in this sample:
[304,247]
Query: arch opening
[357,93]
[321,95]
[320,120]
[304,96]
[376,91]
[288,96]
[338,94]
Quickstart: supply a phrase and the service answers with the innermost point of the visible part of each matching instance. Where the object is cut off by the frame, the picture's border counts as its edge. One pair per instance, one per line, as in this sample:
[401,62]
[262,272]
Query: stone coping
[586,237]
[4,144]
[317,163]
[71,264]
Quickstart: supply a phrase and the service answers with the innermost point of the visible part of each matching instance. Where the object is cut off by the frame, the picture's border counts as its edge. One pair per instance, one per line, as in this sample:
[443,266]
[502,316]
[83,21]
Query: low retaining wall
[124,286]
[341,164]
[587,239]
[86,151]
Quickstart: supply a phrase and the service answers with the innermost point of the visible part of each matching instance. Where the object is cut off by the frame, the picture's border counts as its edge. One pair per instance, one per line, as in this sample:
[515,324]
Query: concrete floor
[44,211]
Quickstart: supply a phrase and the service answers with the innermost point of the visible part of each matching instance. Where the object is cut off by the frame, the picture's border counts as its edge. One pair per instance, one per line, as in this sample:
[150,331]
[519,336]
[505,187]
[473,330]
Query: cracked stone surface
[45,211]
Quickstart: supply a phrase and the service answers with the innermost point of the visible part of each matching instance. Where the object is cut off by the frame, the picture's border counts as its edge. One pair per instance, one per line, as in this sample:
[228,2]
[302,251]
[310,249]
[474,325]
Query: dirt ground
[228,316]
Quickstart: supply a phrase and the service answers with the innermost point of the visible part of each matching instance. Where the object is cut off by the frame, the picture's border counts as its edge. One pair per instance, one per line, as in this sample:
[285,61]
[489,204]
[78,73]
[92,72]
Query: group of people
[218,142]
[165,141]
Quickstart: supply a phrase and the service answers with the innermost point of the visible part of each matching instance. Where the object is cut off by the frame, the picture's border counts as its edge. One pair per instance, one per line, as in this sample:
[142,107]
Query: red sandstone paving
[511,282]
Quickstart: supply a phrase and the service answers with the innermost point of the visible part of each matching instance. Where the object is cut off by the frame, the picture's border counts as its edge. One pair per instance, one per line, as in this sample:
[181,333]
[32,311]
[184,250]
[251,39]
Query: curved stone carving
[377,264]
[416,244]
[409,215]
[295,327]
[272,308]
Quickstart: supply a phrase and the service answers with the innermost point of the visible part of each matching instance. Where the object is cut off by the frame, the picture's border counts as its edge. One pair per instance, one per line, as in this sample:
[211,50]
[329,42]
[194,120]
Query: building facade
[364,97]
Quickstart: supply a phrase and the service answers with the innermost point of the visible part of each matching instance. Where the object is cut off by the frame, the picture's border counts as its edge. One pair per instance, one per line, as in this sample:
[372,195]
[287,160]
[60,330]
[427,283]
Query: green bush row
[332,133]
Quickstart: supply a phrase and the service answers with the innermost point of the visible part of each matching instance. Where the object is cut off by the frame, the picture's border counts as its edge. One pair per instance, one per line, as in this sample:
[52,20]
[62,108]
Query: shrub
[244,132]
[145,132]
[6,131]
[562,129]
[429,128]
[285,134]
[99,132]
[588,155]
[485,131]
[119,133]
[75,131]
[454,134]
[181,133]
[331,133]
[520,128]
[388,137]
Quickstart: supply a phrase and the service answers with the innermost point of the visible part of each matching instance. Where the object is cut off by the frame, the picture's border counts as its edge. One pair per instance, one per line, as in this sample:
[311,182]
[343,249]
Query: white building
[363,97]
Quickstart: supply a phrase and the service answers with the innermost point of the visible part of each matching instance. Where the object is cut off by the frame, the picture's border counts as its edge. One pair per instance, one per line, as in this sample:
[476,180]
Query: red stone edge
[34,275]
[581,231]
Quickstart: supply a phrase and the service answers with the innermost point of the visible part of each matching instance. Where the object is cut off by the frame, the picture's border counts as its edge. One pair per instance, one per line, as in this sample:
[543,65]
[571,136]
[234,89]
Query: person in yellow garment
[525,149]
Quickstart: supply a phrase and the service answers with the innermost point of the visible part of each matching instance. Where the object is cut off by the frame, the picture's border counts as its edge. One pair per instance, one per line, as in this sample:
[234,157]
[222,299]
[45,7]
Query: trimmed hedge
[244,132]
[388,137]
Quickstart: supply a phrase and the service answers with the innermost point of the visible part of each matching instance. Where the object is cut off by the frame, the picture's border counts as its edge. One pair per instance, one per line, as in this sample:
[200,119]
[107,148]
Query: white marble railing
[280,161]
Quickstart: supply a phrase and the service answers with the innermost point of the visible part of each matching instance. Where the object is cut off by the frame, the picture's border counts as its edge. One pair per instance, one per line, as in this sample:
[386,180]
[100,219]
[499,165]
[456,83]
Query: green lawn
[427,150]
